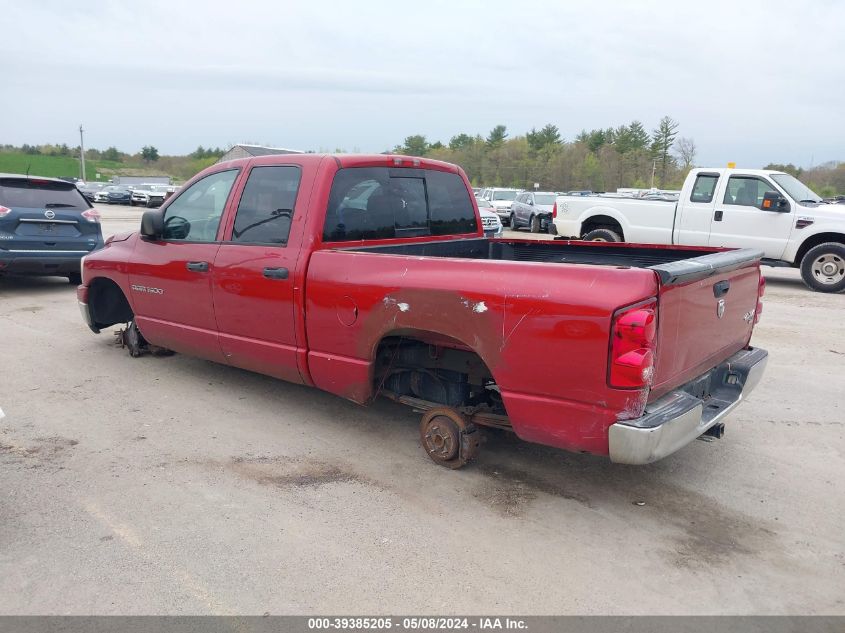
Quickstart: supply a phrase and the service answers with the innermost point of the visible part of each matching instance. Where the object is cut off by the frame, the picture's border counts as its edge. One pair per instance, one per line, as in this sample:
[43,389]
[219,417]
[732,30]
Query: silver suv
[502,198]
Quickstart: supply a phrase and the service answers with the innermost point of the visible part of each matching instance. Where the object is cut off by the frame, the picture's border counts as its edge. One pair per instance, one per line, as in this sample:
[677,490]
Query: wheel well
[436,369]
[107,303]
[815,240]
[601,222]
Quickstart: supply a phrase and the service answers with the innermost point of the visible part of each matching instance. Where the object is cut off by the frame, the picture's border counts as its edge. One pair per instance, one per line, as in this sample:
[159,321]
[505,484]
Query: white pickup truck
[771,211]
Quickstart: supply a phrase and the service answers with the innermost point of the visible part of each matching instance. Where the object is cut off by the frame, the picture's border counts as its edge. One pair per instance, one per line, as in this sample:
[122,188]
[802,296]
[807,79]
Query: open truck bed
[673,264]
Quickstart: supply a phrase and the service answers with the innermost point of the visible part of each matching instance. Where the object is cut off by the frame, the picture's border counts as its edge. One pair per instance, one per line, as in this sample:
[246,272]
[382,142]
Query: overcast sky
[751,82]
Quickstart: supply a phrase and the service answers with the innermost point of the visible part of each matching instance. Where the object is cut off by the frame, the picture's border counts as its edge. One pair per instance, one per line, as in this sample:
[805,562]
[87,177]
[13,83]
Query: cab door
[694,213]
[739,222]
[170,278]
[255,281]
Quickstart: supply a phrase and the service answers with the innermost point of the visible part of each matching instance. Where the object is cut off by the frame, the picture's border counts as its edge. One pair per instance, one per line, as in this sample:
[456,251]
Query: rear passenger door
[255,282]
[695,212]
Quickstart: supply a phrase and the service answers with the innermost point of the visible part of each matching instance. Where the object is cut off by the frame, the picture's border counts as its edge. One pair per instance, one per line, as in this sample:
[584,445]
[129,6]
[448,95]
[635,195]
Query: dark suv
[46,227]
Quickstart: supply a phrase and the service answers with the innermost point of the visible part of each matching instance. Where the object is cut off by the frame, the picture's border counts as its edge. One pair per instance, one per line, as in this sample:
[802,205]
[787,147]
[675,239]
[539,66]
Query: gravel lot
[174,485]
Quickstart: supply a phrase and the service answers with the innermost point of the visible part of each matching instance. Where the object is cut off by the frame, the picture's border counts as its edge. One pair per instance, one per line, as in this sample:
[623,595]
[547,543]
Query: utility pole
[653,169]
[82,152]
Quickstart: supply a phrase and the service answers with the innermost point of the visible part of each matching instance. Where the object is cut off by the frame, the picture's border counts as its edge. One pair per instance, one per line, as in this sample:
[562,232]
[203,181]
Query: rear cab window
[34,193]
[369,203]
[704,188]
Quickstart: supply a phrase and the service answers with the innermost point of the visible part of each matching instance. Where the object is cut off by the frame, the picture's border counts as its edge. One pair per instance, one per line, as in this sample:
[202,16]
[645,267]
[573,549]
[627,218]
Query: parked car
[766,210]
[263,264]
[116,194]
[89,190]
[149,195]
[489,219]
[533,209]
[46,227]
[502,198]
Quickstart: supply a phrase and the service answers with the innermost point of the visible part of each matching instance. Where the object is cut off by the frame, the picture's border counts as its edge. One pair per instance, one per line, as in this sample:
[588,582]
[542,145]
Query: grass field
[37,165]
[178,167]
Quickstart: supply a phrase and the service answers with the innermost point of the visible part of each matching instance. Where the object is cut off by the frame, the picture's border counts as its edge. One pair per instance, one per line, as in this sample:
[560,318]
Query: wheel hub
[441,438]
[448,438]
[829,269]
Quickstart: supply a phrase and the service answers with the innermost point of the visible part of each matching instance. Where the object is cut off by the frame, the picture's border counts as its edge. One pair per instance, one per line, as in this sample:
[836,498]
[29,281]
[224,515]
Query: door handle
[718,216]
[276,273]
[197,267]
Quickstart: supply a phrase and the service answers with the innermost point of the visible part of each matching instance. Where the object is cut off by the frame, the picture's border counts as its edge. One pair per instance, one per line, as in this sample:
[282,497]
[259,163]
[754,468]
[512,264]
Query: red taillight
[4,211]
[554,210]
[761,290]
[92,215]
[633,338]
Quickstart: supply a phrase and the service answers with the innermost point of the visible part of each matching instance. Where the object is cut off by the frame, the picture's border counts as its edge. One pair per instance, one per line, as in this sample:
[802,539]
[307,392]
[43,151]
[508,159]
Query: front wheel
[535,224]
[512,222]
[602,235]
[823,267]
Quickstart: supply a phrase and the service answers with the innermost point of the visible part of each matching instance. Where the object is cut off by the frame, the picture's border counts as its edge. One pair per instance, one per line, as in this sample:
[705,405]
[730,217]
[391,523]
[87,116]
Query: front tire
[823,267]
[535,224]
[602,235]
[512,222]
[75,278]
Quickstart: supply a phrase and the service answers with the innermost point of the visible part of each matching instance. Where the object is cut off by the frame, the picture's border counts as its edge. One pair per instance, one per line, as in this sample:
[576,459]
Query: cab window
[704,187]
[378,202]
[195,215]
[266,206]
[747,191]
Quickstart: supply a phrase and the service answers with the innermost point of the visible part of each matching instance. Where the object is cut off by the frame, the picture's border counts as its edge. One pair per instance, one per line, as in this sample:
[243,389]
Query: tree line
[148,153]
[602,159]
[599,159]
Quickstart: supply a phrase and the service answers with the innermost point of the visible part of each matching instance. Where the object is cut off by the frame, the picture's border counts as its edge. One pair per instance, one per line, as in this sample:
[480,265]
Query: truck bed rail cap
[687,270]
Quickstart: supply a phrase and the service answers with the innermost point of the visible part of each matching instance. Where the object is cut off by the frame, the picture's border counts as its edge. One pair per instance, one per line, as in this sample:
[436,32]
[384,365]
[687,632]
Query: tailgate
[705,314]
[48,230]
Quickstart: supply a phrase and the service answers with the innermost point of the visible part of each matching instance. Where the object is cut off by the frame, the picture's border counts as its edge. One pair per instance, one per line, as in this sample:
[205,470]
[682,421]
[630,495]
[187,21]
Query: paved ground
[173,485]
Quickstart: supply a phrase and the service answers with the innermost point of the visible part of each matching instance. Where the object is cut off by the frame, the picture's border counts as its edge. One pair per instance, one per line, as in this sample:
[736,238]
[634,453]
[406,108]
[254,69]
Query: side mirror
[530,202]
[773,201]
[152,224]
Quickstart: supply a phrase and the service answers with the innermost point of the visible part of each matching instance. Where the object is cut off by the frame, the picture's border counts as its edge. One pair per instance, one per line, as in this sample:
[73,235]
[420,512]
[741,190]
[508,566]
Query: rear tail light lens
[4,211]
[92,215]
[554,210]
[633,339]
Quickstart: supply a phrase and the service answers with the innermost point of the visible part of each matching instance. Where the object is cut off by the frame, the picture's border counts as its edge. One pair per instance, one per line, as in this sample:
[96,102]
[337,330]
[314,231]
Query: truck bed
[673,264]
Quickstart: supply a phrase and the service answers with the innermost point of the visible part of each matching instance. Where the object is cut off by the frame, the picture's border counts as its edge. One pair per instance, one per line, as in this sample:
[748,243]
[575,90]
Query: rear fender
[597,211]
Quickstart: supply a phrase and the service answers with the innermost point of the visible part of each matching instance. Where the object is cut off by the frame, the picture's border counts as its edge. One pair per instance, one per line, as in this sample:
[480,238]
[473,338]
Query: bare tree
[685,148]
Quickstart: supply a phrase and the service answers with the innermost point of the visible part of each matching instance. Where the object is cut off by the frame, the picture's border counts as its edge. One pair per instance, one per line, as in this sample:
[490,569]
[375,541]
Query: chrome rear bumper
[681,416]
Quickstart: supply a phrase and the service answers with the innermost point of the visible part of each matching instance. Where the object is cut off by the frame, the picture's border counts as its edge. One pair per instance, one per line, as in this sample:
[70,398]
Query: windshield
[504,195]
[796,189]
[544,198]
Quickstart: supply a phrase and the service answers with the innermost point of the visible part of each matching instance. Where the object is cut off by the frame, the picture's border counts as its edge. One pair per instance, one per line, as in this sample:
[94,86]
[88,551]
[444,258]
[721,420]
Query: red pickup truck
[370,275]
